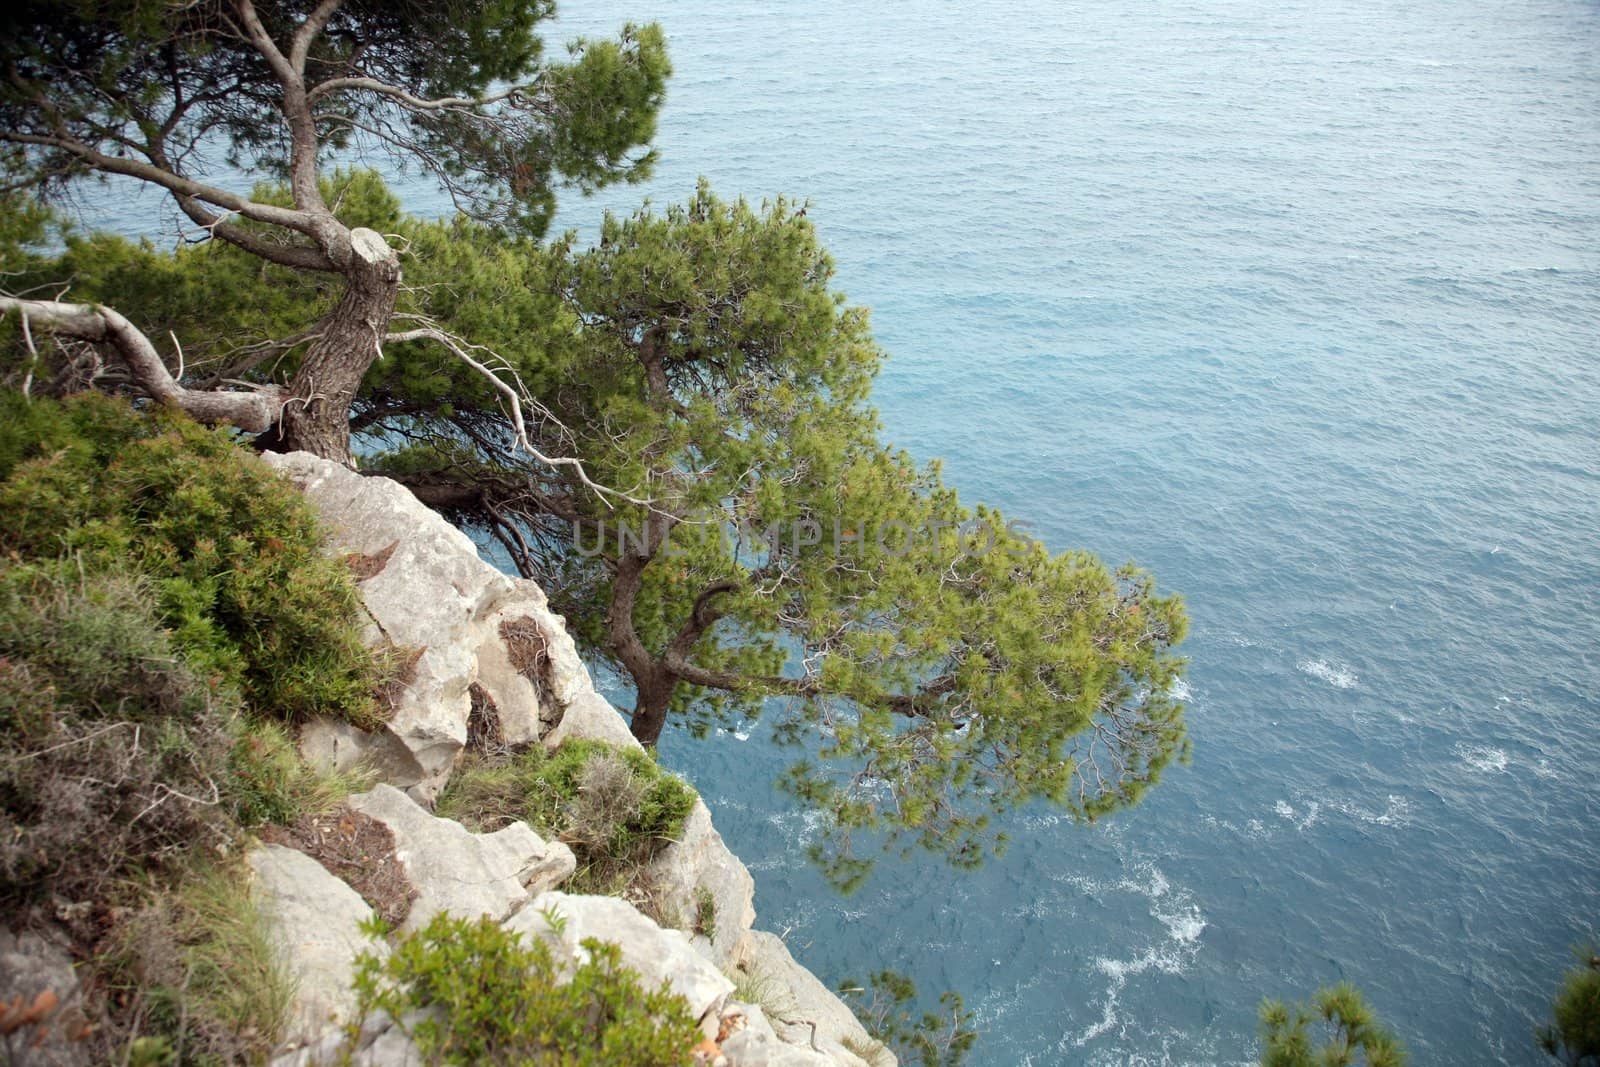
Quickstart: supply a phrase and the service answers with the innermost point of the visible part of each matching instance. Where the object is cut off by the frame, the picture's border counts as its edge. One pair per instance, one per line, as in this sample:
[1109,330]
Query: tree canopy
[181,95]
[939,666]
[671,430]
[1573,1034]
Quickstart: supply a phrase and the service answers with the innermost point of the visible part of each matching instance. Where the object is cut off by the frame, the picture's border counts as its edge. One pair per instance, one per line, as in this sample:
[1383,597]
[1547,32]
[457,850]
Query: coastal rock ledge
[464,629]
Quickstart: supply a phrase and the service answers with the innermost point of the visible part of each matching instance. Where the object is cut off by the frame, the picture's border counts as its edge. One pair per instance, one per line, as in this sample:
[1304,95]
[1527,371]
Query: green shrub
[476,994]
[164,610]
[705,913]
[113,756]
[615,806]
[272,783]
[231,551]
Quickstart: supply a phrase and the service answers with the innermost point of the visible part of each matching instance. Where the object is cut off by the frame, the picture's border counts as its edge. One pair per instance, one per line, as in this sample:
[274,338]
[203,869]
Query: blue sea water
[1294,303]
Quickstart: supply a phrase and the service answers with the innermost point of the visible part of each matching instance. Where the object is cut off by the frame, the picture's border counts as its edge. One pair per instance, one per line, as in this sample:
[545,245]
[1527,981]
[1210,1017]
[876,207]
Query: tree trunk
[650,707]
[316,418]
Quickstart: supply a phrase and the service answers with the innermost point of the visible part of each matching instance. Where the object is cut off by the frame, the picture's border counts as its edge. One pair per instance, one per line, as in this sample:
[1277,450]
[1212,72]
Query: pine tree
[155,92]
[1338,1015]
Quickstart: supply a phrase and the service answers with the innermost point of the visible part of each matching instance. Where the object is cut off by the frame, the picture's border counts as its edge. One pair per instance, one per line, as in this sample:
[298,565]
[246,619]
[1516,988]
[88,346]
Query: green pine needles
[1573,1034]
[1337,1029]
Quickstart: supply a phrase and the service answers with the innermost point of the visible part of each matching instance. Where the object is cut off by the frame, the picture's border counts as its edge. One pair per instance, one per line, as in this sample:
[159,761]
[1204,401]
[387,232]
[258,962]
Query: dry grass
[359,851]
[198,973]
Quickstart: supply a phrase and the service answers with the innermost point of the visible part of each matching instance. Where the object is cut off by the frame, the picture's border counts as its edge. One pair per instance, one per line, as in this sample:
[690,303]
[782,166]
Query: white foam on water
[1178,1048]
[1484,758]
[1182,922]
[1396,812]
[1286,811]
[1338,675]
[1184,925]
[799,827]
[1179,690]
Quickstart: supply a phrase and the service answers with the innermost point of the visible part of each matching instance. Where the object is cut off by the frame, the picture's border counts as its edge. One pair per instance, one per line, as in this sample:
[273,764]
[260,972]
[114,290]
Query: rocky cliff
[479,643]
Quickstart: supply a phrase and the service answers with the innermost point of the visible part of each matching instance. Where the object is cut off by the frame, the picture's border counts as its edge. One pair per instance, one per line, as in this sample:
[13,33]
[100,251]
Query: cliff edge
[486,656]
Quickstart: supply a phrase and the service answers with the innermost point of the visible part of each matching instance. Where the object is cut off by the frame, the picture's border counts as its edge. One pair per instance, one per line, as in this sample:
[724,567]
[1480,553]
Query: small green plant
[873,1051]
[476,994]
[615,806]
[1573,1035]
[941,1038]
[554,919]
[1351,1033]
[705,913]
[272,783]
[765,991]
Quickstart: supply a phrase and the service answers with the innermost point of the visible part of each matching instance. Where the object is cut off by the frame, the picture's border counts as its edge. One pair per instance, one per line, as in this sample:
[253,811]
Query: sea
[1296,305]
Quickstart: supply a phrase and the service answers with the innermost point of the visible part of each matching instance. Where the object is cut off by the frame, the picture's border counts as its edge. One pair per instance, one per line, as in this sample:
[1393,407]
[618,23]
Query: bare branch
[288,218]
[701,617]
[258,36]
[297,113]
[407,100]
[300,257]
[254,411]
[515,396]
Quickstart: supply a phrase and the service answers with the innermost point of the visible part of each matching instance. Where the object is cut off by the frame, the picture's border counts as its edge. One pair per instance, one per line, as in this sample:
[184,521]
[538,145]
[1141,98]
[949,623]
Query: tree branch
[288,218]
[701,617]
[308,32]
[621,635]
[254,411]
[515,396]
[407,100]
[297,113]
[257,35]
[299,257]
[915,705]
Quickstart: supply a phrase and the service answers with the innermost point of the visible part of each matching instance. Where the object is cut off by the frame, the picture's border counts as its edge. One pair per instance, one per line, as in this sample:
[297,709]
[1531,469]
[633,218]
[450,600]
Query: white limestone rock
[753,1048]
[336,745]
[591,717]
[456,871]
[379,1044]
[426,591]
[767,959]
[700,863]
[316,925]
[657,954]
